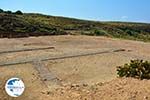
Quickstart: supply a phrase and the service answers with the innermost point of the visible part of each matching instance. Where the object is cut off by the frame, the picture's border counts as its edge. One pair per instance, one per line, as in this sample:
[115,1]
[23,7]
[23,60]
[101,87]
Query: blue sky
[101,10]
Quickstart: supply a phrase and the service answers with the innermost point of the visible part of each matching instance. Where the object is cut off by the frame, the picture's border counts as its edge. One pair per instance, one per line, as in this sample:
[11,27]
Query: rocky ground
[117,89]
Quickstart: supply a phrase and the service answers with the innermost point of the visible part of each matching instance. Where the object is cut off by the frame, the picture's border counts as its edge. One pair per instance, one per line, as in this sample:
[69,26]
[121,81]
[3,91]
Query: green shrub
[18,12]
[136,68]
[100,32]
[1,10]
[8,12]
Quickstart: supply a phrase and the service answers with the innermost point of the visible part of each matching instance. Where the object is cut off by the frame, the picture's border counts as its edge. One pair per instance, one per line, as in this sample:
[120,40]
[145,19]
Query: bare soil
[91,77]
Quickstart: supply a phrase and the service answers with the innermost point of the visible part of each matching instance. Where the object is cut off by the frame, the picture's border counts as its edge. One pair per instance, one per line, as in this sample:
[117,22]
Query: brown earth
[91,77]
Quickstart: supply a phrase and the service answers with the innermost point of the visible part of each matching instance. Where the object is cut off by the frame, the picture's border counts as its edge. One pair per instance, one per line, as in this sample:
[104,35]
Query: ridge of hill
[31,24]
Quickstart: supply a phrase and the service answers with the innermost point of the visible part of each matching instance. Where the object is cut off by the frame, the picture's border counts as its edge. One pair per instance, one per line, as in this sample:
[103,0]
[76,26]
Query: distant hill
[18,24]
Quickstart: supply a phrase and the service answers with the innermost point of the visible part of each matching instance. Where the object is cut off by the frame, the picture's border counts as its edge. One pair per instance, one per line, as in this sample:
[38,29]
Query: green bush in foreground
[136,68]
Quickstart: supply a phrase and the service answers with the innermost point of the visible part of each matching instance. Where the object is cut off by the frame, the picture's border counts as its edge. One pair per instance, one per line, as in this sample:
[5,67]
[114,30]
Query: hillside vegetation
[18,24]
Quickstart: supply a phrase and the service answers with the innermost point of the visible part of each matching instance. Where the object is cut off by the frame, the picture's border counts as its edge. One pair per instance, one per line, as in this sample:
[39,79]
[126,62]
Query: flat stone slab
[45,74]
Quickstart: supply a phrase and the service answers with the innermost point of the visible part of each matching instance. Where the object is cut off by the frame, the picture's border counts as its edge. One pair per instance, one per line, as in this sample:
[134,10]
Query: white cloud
[124,17]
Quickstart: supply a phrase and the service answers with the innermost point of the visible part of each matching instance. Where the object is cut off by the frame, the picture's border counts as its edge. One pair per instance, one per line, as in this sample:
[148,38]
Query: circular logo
[14,87]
